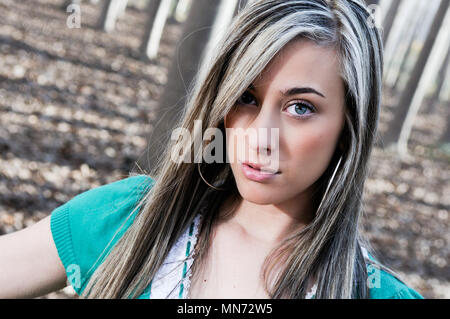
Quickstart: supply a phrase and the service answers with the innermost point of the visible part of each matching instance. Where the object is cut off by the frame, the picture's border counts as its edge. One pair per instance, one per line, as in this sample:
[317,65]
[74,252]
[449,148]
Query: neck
[271,223]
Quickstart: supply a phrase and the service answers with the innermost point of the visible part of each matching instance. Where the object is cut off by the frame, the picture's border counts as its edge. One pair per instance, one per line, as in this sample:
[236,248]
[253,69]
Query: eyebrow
[295,90]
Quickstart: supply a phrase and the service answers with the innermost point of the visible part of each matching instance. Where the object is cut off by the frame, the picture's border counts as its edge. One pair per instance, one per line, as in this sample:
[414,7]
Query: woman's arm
[29,263]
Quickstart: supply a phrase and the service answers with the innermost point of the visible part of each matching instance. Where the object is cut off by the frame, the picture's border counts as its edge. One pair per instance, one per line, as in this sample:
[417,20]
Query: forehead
[303,63]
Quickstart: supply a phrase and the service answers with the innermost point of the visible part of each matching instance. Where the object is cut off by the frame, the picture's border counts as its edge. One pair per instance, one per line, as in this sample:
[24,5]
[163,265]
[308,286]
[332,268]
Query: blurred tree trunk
[397,38]
[399,42]
[398,123]
[441,77]
[445,138]
[444,95]
[425,14]
[389,19]
[110,12]
[181,10]
[435,97]
[227,11]
[173,10]
[152,10]
[185,65]
[158,12]
[402,68]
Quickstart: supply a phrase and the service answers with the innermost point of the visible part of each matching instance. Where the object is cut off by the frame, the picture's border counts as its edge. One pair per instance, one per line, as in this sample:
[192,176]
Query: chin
[261,194]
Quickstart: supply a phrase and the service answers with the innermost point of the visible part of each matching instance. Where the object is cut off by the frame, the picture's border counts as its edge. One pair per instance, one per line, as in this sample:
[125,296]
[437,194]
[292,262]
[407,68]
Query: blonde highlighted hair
[329,248]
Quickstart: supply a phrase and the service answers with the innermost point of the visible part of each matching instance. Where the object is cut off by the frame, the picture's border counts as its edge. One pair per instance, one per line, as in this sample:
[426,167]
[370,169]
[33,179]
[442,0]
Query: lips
[260,168]
[257,174]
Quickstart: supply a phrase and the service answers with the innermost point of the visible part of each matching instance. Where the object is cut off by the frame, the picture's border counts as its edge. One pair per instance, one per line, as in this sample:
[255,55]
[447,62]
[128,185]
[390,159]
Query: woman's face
[309,124]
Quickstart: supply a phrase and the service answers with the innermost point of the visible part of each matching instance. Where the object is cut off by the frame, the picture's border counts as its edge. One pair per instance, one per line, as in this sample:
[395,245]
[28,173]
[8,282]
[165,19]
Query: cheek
[310,156]
[233,119]
[307,150]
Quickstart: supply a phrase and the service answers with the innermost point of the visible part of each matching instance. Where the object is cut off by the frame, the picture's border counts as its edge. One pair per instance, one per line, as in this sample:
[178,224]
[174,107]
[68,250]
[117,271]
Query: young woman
[312,70]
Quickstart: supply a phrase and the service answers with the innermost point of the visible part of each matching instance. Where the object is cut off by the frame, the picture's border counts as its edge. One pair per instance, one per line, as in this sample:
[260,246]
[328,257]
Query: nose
[258,140]
[263,133]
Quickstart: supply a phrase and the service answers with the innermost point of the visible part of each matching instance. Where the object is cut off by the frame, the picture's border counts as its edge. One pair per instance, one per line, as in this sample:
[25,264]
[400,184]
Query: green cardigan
[83,227]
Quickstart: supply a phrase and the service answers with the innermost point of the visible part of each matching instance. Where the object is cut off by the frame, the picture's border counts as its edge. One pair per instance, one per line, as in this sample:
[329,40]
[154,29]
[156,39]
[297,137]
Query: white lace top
[172,280]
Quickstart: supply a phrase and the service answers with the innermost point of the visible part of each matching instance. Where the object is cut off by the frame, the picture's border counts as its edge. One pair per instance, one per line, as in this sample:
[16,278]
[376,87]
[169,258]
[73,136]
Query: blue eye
[300,109]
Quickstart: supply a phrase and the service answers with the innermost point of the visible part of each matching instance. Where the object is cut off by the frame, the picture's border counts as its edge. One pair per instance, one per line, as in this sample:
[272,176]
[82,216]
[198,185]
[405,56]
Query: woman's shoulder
[390,287]
[384,284]
[88,225]
[116,193]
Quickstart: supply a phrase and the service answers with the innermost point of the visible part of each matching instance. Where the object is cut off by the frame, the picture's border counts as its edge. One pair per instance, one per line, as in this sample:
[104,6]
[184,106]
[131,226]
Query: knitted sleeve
[86,227]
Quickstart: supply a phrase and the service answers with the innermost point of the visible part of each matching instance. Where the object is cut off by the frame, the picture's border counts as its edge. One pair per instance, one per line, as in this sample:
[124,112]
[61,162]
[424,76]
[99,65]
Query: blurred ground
[74,111]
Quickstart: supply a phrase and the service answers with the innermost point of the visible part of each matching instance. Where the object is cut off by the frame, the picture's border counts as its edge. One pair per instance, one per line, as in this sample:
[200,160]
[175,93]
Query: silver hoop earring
[331,181]
[201,176]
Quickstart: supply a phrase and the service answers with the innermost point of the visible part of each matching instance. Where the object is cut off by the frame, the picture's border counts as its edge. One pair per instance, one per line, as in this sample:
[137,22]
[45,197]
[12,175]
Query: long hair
[329,248]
